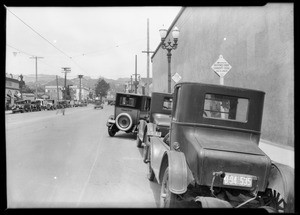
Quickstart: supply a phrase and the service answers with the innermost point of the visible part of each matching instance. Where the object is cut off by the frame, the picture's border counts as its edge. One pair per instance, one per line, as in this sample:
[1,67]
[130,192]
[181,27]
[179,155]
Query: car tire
[128,123]
[111,132]
[150,174]
[167,198]
[138,142]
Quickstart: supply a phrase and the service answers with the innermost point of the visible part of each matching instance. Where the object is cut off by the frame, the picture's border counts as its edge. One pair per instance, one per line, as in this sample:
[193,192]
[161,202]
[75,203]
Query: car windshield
[225,107]
[20,102]
[127,101]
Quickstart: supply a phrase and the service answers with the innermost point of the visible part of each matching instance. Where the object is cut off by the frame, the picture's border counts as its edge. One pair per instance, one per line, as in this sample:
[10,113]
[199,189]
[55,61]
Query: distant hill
[50,80]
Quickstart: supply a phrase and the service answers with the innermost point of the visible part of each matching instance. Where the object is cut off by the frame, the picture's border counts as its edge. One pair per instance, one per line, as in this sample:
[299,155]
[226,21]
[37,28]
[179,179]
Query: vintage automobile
[28,107]
[160,113]
[129,109]
[51,104]
[18,107]
[36,105]
[211,156]
[62,104]
[98,104]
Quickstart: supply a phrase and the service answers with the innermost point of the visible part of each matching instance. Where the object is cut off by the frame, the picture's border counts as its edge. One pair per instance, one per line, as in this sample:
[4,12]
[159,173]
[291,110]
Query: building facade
[84,92]
[51,91]
[257,42]
[12,91]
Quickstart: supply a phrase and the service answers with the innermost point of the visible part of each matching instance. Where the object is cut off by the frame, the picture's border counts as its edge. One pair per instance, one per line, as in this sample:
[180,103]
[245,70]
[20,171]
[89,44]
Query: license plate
[233,179]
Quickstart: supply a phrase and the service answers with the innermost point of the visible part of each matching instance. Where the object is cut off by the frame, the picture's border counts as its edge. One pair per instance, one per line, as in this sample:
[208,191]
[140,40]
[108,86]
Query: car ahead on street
[160,115]
[211,156]
[36,105]
[62,104]
[43,103]
[18,107]
[28,107]
[51,104]
[98,104]
[129,109]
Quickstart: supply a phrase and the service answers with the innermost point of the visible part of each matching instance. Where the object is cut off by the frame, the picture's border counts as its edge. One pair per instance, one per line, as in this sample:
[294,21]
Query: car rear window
[167,104]
[225,107]
[127,101]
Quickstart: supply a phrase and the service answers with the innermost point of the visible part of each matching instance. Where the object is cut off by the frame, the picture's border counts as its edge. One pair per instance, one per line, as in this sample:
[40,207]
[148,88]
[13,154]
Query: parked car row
[22,106]
[201,146]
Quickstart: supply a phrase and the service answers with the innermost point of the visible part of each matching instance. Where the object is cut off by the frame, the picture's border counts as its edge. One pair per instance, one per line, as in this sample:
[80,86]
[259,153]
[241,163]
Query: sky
[92,41]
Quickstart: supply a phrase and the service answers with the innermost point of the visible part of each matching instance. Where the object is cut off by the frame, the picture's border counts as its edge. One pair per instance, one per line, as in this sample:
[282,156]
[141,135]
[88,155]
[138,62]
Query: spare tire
[124,121]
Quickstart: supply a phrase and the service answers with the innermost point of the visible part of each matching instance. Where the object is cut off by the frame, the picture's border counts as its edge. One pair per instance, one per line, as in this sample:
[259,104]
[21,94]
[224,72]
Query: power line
[37,32]
[69,57]
[20,50]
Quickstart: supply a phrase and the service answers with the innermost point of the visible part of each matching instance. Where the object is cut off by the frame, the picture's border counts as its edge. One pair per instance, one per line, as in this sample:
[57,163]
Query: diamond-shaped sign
[221,66]
[176,77]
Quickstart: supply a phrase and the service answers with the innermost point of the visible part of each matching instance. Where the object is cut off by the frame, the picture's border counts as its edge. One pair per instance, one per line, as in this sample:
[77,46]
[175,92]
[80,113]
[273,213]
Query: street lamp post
[169,47]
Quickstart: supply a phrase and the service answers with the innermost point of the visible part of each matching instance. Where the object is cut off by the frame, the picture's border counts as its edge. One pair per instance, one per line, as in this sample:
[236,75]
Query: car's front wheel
[167,198]
[111,132]
[150,174]
[138,142]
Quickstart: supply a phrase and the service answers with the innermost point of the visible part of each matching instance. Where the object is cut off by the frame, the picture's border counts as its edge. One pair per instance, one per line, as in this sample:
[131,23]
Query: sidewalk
[280,154]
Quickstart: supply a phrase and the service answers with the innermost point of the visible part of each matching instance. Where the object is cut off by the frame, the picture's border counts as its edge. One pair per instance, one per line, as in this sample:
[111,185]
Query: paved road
[70,161]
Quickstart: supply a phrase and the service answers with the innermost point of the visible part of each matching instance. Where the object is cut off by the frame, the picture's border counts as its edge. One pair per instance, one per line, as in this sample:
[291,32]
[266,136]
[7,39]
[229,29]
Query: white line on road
[91,170]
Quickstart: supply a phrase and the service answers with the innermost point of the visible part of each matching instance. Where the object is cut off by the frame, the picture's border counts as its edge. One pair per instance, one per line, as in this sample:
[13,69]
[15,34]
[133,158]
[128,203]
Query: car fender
[141,129]
[281,179]
[178,172]
[110,121]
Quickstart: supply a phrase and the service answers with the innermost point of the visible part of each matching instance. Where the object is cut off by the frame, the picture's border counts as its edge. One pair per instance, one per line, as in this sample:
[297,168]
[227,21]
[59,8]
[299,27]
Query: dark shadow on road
[124,135]
[141,150]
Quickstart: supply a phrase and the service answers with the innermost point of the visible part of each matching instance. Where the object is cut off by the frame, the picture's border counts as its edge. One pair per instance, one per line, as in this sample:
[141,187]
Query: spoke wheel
[167,198]
[274,200]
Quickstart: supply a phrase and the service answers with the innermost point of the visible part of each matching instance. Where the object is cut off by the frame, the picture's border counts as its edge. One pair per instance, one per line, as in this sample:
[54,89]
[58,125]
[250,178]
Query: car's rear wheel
[274,200]
[167,198]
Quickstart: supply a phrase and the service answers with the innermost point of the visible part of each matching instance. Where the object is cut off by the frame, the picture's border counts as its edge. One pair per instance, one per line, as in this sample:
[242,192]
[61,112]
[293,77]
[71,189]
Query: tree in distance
[102,88]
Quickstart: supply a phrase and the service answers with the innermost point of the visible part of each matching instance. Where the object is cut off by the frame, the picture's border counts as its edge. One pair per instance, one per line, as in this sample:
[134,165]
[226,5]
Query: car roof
[132,94]
[218,86]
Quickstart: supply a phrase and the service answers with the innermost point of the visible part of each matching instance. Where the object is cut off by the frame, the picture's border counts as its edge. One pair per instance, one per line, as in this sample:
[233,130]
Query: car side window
[167,103]
[127,101]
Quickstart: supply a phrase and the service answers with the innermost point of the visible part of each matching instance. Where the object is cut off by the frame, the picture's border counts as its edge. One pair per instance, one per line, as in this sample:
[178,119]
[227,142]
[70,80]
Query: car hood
[227,141]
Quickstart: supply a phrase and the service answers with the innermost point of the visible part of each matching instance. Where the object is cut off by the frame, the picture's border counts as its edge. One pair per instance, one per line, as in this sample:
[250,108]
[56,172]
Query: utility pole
[80,77]
[148,58]
[57,89]
[66,70]
[135,83]
[35,57]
